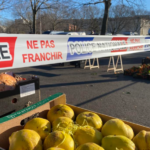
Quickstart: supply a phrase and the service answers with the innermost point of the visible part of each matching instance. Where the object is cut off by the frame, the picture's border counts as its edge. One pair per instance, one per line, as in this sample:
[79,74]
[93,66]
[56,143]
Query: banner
[17,51]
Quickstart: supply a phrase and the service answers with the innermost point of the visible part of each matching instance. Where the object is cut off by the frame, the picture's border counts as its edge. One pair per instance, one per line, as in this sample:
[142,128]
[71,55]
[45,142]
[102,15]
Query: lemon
[62,123]
[142,140]
[60,110]
[89,118]
[86,134]
[25,140]
[59,139]
[117,127]
[55,148]
[89,146]
[118,142]
[40,125]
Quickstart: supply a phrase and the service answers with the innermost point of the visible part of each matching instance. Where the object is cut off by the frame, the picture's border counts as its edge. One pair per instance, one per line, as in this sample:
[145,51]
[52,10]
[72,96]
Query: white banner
[17,51]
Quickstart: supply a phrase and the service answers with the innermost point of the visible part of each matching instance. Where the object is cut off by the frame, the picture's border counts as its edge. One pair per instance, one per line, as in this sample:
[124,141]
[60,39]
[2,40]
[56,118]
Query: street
[98,90]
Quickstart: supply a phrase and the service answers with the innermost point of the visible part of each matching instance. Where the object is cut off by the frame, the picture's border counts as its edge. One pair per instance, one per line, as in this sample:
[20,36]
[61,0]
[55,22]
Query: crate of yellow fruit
[60,126]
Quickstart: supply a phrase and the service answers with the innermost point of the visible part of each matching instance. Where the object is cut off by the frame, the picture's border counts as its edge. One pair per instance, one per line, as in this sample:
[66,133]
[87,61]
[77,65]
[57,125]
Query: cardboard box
[26,93]
[14,122]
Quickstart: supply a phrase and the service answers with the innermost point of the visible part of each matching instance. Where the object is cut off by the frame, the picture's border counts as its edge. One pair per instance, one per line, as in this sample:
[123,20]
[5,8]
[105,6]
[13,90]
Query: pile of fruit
[62,131]
[8,81]
[142,71]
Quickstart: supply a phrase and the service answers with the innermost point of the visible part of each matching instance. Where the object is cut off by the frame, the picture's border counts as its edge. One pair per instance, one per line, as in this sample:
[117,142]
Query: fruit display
[142,71]
[8,81]
[62,131]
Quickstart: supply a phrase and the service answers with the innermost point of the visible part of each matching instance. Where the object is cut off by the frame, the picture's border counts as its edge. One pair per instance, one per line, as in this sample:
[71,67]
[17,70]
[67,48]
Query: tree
[22,10]
[54,18]
[34,6]
[107,4]
[4,4]
[87,18]
[119,18]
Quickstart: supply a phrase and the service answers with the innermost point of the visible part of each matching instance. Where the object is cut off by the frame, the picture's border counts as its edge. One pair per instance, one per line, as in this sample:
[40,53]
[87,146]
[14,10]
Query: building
[137,24]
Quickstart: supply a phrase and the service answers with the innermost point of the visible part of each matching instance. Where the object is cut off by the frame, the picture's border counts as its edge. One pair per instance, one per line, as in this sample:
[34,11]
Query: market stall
[52,124]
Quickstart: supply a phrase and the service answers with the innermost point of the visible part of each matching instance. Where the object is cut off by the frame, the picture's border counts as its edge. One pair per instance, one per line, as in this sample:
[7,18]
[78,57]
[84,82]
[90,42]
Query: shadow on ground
[113,77]
[39,73]
[106,94]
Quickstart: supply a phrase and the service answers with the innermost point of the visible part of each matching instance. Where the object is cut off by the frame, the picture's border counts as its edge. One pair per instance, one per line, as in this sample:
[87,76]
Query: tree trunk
[34,21]
[105,18]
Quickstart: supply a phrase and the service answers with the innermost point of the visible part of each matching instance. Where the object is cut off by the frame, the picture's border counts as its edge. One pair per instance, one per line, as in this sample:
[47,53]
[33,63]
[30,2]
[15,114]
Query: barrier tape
[17,51]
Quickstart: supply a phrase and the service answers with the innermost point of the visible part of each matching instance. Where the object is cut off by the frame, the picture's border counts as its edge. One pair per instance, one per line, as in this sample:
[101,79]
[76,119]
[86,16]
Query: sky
[6,14]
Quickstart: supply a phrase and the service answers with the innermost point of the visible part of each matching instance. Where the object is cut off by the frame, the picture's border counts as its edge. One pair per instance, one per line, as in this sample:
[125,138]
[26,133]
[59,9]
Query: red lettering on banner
[30,56]
[60,55]
[42,43]
[121,43]
[37,57]
[53,56]
[52,44]
[35,44]
[29,45]
[47,57]
[47,45]
[137,40]
[24,57]
[134,48]
[42,57]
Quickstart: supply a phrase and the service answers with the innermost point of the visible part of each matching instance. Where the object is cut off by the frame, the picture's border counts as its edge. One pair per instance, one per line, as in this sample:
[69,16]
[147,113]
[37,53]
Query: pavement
[115,95]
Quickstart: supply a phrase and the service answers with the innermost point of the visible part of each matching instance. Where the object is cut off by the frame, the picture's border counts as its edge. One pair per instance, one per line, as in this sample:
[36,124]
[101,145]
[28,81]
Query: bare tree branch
[95,3]
[31,4]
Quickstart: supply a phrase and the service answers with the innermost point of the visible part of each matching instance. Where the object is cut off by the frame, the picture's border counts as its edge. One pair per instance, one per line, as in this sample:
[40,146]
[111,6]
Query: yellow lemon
[55,148]
[86,134]
[59,139]
[25,140]
[142,140]
[60,110]
[117,142]
[89,146]
[61,123]
[40,125]
[89,118]
[117,127]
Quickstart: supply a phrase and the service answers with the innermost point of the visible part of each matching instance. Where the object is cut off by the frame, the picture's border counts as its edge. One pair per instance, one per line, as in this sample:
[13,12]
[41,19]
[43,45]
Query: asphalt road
[115,95]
